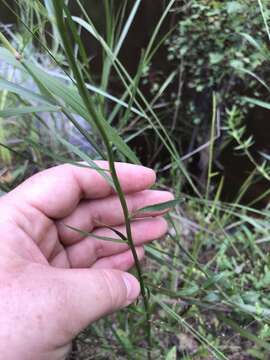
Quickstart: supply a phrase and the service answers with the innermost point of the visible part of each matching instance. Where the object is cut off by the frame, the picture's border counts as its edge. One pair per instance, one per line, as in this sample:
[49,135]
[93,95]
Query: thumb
[92,294]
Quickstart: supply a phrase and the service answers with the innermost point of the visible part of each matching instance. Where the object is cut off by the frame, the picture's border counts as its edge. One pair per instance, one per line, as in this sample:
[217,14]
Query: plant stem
[90,106]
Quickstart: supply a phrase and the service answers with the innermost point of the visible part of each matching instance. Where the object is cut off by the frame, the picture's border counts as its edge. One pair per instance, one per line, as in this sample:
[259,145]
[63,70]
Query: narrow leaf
[9,112]
[68,94]
[191,330]
[160,207]
[86,158]
[86,233]
[118,233]
[257,102]
[21,91]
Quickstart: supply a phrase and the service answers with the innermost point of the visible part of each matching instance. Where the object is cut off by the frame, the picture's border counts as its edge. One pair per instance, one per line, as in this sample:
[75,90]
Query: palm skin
[54,281]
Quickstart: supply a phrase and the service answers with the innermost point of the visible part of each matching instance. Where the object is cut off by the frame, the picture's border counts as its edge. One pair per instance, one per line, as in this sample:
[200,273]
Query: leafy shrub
[212,44]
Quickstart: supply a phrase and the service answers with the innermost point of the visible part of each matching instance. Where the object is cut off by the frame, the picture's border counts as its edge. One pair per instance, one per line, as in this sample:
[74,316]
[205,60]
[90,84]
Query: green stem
[59,6]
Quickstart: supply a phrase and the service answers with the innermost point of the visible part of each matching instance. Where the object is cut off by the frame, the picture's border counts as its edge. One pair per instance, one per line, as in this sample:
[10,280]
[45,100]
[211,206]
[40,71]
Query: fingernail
[132,286]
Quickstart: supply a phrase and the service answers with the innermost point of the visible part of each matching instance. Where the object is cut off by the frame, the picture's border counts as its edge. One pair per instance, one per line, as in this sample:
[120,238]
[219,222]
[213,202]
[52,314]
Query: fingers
[86,252]
[90,214]
[56,192]
[123,261]
[92,294]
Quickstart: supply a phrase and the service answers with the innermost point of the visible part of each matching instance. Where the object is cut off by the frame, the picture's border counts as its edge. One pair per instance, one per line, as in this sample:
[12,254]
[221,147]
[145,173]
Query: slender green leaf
[127,27]
[257,102]
[265,19]
[254,43]
[118,233]
[87,159]
[9,112]
[190,329]
[161,206]
[23,92]
[71,97]
[93,235]
[158,127]
[259,79]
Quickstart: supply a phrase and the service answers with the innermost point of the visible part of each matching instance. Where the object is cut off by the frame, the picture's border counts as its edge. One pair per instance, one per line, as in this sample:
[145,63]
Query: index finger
[57,191]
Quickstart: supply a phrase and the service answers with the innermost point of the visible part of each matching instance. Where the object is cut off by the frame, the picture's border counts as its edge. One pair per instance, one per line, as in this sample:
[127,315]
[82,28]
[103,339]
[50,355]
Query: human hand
[54,281]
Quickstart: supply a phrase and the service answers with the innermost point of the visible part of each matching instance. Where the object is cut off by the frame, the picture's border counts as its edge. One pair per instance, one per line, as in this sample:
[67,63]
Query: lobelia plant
[100,123]
[53,97]
[209,277]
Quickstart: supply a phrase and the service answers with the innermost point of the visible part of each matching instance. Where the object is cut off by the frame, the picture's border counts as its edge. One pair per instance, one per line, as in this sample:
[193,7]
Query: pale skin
[54,281]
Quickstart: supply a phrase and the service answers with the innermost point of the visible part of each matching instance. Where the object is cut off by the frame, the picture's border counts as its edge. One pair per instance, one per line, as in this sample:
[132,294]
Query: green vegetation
[205,287]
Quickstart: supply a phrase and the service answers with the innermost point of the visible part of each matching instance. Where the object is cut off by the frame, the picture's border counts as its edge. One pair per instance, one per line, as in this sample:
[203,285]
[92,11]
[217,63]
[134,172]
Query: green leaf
[23,92]
[76,36]
[106,131]
[172,354]
[86,158]
[160,207]
[125,340]
[114,99]
[214,350]
[254,43]
[118,233]
[127,27]
[257,102]
[250,73]
[192,290]
[86,233]
[65,92]
[237,64]
[213,280]
[216,58]
[9,112]
[158,127]
[7,56]
[71,97]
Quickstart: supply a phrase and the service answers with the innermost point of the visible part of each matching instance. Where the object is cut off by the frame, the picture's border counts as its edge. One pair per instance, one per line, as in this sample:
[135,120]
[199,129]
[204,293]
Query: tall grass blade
[257,102]
[9,112]
[84,157]
[127,27]
[264,18]
[22,92]
[190,329]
